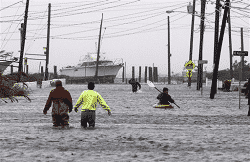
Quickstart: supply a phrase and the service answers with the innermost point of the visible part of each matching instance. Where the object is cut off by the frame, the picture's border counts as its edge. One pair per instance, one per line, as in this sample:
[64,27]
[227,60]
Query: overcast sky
[133,30]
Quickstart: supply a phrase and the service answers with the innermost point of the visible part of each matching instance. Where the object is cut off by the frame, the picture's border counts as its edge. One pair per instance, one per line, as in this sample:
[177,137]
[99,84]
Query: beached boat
[85,70]
[5,60]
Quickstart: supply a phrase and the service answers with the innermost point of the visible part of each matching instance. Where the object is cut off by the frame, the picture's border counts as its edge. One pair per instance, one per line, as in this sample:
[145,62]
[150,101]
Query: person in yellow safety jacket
[88,99]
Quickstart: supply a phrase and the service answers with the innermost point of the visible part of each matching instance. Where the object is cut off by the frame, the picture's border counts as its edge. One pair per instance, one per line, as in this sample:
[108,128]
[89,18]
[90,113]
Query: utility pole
[169,72]
[47,49]
[242,49]
[242,64]
[20,67]
[21,38]
[230,43]
[191,39]
[217,60]
[216,35]
[200,66]
[98,51]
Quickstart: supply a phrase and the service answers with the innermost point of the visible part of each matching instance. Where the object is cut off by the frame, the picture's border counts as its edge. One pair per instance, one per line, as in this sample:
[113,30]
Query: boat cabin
[92,63]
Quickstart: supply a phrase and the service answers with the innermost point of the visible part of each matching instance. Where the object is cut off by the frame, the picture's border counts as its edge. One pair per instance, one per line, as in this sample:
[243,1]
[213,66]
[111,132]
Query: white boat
[85,70]
[5,60]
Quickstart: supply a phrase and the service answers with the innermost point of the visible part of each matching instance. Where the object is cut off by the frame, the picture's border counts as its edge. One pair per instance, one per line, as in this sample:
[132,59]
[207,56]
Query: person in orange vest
[62,104]
[88,100]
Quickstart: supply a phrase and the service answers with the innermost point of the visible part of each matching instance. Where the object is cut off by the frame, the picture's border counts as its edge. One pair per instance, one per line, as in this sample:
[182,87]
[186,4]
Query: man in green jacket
[88,100]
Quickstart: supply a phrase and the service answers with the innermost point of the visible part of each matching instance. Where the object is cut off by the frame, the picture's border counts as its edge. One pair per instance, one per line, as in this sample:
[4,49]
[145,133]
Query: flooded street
[201,130]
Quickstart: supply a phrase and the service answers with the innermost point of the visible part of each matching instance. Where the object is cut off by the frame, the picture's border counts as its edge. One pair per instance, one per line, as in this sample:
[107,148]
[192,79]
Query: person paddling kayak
[164,98]
[89,99]
[134,84]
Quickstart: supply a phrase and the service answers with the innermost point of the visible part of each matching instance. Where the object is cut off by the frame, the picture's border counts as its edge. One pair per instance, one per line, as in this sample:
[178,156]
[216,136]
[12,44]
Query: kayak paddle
[150,84]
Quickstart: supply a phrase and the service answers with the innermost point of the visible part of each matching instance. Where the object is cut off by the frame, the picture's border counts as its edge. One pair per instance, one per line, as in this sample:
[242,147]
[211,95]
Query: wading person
[88,100]
[134,84]
[164,98]
[248,96]
[62,104]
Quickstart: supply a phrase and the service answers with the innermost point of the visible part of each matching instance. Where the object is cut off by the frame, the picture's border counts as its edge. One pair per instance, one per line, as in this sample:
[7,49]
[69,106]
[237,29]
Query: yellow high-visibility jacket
[88,99]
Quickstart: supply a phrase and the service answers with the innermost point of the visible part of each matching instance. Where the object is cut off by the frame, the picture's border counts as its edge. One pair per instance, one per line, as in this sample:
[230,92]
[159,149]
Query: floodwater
[201,130]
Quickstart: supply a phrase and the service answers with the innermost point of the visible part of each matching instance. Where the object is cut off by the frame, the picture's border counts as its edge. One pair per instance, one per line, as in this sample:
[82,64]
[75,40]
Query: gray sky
[133,30]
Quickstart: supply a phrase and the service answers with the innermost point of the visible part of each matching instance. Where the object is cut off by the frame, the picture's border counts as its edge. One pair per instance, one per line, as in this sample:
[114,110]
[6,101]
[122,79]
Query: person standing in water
[164,98]
[88,100]
[62,104]
[134,84]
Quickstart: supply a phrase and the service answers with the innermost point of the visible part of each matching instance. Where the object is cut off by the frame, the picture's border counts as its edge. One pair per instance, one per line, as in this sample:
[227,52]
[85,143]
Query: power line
[10,6]
[9,30]
[35,33]
[61,14]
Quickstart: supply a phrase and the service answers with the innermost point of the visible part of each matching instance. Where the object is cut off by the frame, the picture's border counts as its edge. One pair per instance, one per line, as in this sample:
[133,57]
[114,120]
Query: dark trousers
[60,120]
[88,116]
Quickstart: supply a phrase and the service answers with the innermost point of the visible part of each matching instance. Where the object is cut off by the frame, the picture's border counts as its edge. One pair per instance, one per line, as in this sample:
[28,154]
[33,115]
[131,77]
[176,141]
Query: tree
[225,74]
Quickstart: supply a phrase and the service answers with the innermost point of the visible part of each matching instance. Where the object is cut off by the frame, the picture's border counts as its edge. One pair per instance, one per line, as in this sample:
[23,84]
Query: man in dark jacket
[62,104]
[134,84]
[164,98]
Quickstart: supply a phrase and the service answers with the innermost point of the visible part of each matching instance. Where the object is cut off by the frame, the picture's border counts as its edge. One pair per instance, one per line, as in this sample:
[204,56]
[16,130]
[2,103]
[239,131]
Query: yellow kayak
[163,106]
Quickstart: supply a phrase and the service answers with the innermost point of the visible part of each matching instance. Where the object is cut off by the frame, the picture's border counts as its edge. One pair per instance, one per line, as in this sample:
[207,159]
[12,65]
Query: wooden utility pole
[242,49]
[230,43]
[216,28]
[122,74]
[153,73]
[139,73]
[150,74]
[98,51]
[217,57]
[241,65]
[47,49]
[20,67]
[133,72]
[145,74]
[55,71]
[191,39]
[200,66]
[169,71]
[216,34]
[21,38]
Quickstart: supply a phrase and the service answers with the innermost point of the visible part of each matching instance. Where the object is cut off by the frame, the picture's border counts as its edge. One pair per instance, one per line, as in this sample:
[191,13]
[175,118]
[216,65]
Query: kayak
[163,106]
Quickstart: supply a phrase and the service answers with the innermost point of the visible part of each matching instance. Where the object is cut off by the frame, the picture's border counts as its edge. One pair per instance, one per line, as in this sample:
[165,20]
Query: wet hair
[58,83]
[91,85]
[165,89]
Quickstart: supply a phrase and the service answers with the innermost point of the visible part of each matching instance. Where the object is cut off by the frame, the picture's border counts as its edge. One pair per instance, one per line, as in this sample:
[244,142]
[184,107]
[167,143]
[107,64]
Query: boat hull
[106,74]
[4,65]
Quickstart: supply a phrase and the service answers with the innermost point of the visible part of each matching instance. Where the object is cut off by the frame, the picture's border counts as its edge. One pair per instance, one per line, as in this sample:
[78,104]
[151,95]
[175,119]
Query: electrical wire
[61,15]
[99,4]
[10,5]
[111,35]
[116,24]
[2,46]
[35,33]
